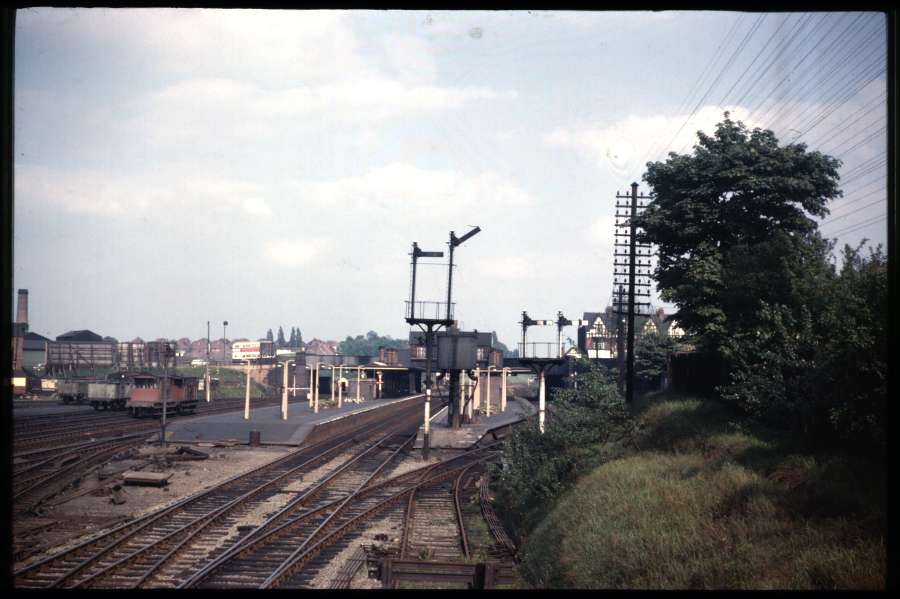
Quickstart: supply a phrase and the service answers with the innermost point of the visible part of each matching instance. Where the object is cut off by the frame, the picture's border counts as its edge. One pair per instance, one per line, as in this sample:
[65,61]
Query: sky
[268,167]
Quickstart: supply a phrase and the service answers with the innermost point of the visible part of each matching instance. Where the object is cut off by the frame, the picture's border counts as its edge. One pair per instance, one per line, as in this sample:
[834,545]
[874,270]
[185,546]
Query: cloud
[507,268]
[108,194]
[409,191]
[190,111]
[623,147]
[256,206]
[291,253]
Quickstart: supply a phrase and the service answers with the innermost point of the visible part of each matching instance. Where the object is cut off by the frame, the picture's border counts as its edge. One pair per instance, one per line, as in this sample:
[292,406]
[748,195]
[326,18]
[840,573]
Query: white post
[316,395]
[358,381]
[503,390]
[487,400]
[462,393]
[427,410]
[247,395]
[476,392]
[541,404]
[340,385]
[294,386]
[332,383]
[284,394]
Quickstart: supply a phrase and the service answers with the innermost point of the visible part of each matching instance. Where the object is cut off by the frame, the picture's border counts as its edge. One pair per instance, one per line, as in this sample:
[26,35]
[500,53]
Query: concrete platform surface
[267,420]
[442,436]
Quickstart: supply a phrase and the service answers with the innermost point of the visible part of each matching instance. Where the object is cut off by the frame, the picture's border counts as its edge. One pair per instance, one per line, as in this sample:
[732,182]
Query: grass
[700,502]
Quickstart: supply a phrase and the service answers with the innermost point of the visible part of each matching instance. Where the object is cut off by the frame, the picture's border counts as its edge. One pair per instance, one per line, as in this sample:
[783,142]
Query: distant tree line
[368,345]
[294,342]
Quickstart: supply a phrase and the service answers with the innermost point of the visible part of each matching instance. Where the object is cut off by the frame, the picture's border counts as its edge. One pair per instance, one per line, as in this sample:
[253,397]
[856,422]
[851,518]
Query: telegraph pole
[638,273]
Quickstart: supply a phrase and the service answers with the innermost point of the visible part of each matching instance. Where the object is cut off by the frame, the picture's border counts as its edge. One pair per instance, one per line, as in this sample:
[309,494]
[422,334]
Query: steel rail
[154,516]
[39,483]
[331,446]
[203,521]
[259,534]
[460,521]
[270,530]
[298,559]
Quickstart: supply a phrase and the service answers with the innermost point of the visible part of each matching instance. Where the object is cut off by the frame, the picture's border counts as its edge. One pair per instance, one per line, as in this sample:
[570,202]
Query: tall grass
[701,503]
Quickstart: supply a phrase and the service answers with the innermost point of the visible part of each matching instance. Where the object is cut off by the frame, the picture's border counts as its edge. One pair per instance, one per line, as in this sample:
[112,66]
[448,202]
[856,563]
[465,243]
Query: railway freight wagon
[72,391]
[146,397]
[108,395]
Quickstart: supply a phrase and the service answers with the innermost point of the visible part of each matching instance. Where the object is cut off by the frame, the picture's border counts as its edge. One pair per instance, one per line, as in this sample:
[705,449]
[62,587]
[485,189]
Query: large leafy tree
[732,223]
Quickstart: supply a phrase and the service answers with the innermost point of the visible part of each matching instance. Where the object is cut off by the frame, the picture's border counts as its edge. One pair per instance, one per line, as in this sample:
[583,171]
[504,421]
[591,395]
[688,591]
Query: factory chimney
[22,309]
[20,327]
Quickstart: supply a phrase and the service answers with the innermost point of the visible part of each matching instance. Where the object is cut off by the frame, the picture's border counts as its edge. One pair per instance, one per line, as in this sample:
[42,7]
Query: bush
[820,369]
[536,468]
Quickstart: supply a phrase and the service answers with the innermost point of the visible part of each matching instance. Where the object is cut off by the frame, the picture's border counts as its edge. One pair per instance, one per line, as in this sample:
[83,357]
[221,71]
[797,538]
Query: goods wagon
[146,398]
[108,395]
[72,391]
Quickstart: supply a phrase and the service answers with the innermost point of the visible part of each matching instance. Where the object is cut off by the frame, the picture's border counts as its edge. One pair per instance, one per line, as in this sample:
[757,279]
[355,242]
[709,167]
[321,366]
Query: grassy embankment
[699,502]
[231,382]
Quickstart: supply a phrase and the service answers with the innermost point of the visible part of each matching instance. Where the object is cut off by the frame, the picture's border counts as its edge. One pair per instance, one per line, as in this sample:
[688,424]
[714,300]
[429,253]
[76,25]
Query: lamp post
[358,381]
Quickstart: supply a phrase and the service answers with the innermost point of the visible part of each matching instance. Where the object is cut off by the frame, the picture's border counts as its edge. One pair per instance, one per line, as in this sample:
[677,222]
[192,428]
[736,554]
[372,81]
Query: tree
[368,345]
[280,343]
[803,345]
[299,338]
[292,341]
[269,336]
[731,222]
[496,344]
[651,355]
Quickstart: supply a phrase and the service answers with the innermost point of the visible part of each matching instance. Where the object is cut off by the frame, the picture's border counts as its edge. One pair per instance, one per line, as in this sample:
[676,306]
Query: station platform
[267,420]
[444,437]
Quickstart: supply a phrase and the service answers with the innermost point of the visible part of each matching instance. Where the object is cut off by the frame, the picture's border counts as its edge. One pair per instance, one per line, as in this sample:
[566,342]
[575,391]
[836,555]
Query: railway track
[280,525]
[288,548]
[59,430]
[145,549]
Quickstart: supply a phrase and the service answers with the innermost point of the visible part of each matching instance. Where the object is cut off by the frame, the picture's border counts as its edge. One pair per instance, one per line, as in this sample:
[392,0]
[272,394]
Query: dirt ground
[86,510]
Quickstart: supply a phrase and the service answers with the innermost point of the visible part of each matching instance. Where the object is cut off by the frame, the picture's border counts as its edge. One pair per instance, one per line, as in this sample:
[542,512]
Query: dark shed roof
[82,335]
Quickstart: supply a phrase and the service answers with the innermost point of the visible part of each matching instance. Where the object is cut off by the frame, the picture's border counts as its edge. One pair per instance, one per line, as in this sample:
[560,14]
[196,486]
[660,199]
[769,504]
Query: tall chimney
[22,309]
[20,327]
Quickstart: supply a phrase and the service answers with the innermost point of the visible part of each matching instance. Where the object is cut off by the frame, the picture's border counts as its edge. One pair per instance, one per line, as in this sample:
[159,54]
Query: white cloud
[291,253]
[192,110]
[624,146]
[416,193]
[91,191]
[507,268]
[256,206]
